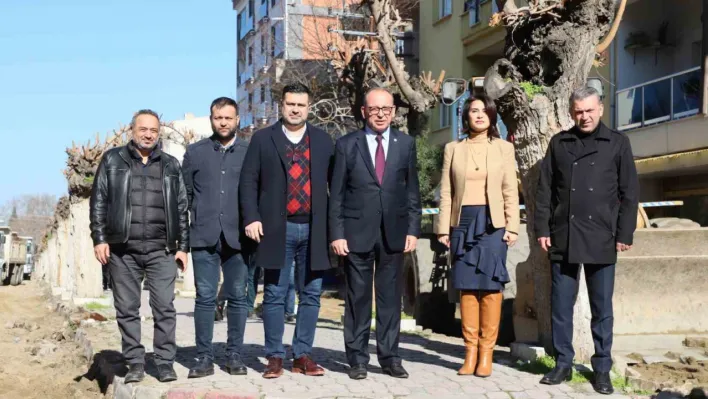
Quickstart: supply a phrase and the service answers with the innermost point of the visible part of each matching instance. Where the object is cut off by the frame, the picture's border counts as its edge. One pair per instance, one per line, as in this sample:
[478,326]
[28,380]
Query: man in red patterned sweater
[283,195]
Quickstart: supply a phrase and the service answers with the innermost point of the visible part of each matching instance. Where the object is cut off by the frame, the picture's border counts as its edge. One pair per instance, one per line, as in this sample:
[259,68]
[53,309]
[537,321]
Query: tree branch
[381,9]
[613,30]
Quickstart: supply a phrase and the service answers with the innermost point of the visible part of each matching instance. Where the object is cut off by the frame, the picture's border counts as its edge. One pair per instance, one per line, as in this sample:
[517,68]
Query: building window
[250,55]
[264,1]
[272,2]
[263,43]
[272,41]
[472,6]
[445,116]
[263,94]
[250,102]
[444,8]
[251,6]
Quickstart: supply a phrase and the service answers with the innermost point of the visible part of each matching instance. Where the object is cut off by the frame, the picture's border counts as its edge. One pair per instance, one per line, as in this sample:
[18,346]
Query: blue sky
[70,69]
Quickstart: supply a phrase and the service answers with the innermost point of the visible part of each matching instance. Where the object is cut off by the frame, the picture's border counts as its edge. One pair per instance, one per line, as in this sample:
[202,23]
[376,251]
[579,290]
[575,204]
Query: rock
[17,340]
[97,316]
[672,355]
[58,336]
[673,223]
[88,323]
[10,325]
[33,327]
[43,349]
[526,352]
[638,358]
[696,342]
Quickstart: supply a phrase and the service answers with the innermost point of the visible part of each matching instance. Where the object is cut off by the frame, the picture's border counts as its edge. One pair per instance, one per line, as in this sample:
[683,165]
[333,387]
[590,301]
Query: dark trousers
[207,261]
[254,274]
[600,280]
[107,285]
[309,286]
[127,272]
[386,276]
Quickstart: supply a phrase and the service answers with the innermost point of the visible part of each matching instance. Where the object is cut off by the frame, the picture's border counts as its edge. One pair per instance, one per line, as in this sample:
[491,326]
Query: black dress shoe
[166,373]
[136,373]
[557,375]
[234,365]
[357,372]
[203,368]
[395,370]
[602,383]
[290,318]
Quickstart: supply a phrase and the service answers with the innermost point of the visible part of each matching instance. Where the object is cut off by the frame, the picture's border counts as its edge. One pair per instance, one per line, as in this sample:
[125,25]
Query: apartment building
[278,38]
[652,83]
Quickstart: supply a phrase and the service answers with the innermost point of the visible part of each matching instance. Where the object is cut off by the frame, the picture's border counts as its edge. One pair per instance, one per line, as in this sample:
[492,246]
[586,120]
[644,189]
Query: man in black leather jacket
[139,227]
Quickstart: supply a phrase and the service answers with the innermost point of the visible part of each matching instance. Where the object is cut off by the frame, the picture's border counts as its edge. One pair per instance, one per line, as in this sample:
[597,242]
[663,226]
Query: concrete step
[661,294]
[667,242]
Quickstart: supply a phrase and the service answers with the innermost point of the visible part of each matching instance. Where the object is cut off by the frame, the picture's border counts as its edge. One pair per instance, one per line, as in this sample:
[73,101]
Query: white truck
[29,262]
[13,257]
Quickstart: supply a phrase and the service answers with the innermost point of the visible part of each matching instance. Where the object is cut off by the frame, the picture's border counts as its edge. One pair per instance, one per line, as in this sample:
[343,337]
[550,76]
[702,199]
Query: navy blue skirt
[478,252]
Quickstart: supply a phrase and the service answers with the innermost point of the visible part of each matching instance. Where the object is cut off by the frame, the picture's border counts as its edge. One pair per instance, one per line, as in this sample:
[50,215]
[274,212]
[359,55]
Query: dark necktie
[380,158]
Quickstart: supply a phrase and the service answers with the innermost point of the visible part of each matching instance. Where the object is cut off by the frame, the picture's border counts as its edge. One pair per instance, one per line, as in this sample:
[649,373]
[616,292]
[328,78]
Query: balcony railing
[665,99]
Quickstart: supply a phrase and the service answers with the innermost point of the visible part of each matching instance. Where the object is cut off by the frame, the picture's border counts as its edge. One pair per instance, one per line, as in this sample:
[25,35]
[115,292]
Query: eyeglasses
[375,110]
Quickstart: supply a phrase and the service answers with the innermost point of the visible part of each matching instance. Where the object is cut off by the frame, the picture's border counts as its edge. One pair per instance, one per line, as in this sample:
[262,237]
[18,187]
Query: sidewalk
[432,362]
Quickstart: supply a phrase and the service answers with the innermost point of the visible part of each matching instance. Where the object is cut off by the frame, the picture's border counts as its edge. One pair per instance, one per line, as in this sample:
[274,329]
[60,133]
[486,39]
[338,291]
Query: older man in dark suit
[374,217]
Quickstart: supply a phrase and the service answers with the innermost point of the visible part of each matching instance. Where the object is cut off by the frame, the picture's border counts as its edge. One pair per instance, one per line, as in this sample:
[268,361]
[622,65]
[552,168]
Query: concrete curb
[132,391]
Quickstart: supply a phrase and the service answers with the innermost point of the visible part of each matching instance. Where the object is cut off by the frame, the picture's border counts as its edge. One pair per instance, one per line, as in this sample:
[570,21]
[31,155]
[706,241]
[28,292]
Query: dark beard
[232,133]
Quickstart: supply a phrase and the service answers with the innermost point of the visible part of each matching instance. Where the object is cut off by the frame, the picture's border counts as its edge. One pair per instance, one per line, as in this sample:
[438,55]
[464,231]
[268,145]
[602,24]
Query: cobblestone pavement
[431,360]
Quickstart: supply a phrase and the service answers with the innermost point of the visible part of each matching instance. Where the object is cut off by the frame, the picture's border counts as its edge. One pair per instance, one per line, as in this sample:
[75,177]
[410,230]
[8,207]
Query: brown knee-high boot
[469,311]
[490,305]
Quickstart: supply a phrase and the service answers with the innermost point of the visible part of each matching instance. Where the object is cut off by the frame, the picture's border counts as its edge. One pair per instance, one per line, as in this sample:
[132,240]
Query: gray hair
[144,112]
[583,93]
[377,89]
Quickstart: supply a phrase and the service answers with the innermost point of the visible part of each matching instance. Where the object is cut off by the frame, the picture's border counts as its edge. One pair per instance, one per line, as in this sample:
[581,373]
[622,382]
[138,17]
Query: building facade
[652,85]
[278,39]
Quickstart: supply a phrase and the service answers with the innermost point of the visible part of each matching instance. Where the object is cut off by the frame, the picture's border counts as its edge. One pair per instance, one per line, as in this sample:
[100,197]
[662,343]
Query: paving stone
[431,361]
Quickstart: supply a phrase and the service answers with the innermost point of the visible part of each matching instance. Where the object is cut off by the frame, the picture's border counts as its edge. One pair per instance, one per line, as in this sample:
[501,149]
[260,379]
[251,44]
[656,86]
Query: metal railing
[665,99]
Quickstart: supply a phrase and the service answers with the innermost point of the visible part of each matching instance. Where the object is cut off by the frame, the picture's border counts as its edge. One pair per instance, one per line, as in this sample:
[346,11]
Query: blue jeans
[254,274]
[309,287]
[207,261]
[290,298]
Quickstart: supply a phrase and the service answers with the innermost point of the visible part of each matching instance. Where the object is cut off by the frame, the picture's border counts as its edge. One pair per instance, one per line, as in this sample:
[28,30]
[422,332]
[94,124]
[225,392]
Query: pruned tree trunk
[549,52]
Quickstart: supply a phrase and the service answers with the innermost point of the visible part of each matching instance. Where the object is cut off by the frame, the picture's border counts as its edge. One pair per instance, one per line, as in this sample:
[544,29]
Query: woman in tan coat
[478,221]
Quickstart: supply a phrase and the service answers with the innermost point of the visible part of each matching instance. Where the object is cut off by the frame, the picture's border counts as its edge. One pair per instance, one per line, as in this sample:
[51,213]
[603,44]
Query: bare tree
[551,46]
[29,205]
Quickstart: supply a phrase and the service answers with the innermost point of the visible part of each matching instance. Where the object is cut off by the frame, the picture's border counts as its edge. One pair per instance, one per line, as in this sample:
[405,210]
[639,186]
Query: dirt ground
[685,372]
[39,357]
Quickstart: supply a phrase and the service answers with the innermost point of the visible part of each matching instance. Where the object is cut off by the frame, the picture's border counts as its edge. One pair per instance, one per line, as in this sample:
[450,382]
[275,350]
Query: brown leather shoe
[305,365]
[274,368]
[469,309]
[490,305]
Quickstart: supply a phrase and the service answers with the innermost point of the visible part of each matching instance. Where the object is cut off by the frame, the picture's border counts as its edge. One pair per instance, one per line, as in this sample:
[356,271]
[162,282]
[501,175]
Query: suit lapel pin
[395,140]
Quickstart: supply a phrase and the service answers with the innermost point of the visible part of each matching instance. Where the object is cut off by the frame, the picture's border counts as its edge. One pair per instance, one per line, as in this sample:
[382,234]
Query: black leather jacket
[111,207]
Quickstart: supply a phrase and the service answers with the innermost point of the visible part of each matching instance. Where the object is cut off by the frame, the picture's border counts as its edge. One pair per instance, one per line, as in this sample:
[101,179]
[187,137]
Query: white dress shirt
[373,144]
